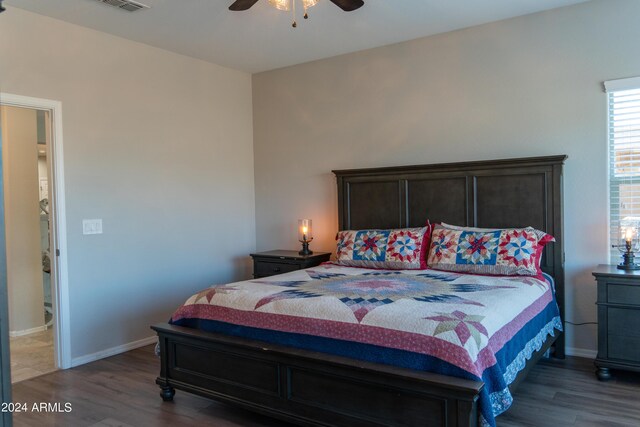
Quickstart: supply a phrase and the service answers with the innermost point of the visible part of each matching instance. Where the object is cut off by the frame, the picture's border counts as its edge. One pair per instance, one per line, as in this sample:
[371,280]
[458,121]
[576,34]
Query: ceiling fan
[346,5]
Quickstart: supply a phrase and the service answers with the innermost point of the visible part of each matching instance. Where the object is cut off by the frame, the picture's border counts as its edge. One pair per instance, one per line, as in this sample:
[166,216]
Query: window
[623,98]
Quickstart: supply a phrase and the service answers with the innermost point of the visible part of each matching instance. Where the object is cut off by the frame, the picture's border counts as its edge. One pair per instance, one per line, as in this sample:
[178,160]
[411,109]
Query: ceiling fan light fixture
[287,4]
[281,4]
[290,5]
[346,5]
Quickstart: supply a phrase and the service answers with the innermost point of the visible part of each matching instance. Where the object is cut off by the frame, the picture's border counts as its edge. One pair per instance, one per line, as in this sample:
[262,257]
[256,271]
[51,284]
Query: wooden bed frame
[311,388]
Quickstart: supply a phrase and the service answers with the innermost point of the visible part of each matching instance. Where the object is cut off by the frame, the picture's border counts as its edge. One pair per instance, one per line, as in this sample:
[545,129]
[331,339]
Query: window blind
[624,155]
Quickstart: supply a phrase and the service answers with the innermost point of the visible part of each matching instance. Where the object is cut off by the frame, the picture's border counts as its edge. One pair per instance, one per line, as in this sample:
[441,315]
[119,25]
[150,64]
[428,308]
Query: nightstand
[277,262]
[618,320]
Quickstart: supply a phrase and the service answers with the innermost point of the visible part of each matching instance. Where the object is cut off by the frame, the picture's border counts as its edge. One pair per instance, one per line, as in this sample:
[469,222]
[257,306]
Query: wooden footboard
[309,388]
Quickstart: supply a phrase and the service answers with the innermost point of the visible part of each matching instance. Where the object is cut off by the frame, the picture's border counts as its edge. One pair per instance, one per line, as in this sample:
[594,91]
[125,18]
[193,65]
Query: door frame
[58,223]
[5,360]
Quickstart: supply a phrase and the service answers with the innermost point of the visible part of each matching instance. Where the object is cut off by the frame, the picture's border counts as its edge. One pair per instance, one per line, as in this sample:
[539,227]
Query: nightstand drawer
[624,348]
[265,268]
[624,322]
[280,261]
[623,294]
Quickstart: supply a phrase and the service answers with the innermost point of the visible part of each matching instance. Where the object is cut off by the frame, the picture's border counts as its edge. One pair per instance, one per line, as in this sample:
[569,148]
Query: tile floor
[31,355]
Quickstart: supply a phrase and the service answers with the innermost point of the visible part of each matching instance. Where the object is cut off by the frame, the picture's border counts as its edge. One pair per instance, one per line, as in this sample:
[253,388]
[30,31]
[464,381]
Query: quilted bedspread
[476,327]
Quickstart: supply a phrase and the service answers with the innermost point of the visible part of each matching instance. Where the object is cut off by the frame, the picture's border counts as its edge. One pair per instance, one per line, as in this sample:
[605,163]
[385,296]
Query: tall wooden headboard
[493,194]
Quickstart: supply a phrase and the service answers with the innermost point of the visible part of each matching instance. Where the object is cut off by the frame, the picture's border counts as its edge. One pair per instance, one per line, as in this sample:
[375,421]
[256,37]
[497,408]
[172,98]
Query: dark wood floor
[567,393]
[120,392]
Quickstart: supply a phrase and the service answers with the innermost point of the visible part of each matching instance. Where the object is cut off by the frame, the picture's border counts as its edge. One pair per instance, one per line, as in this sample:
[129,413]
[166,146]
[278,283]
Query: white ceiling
[262,38]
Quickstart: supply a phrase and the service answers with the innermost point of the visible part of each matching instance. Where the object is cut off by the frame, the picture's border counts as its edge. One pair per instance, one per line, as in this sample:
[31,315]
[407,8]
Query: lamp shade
[629,243]
[305,232]
[629,235]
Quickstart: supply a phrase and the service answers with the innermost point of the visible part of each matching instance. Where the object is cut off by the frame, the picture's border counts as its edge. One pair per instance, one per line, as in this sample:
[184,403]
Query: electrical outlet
[91,226]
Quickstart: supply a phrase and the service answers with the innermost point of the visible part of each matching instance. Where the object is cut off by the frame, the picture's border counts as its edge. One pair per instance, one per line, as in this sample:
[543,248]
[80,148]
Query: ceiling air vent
[128,5]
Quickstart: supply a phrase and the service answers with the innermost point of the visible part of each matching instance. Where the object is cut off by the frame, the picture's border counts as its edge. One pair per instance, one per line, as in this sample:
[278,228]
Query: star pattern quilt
[482,328]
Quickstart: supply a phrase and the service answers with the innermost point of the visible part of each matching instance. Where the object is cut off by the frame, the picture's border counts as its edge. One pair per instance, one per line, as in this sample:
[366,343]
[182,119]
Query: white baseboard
[77,361]
[581,352]
[27,331]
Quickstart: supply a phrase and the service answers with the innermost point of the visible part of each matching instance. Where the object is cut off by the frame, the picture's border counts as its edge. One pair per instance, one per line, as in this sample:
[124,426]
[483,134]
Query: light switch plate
[92,226]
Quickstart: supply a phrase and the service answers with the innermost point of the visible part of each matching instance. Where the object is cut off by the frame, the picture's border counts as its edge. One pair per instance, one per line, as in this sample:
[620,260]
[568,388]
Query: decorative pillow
[505,252]
[544,240]
[399,249]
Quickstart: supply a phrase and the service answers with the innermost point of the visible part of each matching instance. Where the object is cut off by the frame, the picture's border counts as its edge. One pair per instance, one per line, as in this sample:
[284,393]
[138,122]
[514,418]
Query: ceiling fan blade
[348,5]
[242,4]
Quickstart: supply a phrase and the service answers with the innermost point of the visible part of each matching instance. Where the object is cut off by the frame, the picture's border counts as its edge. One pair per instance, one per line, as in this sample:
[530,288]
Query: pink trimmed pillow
[504,252]
[397,249]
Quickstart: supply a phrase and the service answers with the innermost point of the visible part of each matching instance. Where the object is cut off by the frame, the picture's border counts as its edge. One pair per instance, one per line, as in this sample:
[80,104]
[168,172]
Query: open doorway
[35,235]
[27,223]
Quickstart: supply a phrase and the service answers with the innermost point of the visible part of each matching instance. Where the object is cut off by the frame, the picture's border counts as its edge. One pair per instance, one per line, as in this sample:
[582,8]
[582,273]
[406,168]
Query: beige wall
[22,218]
[528,86]
[160,147]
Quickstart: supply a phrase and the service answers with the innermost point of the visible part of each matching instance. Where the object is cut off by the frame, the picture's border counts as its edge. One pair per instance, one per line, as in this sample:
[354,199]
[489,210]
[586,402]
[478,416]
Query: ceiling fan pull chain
[295,24]
[306,15]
